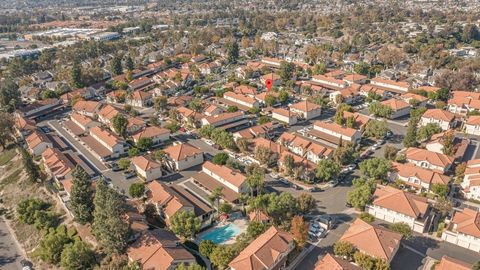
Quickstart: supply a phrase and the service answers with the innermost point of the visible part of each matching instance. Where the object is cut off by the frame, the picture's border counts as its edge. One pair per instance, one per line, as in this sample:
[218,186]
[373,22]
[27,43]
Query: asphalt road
[10,253]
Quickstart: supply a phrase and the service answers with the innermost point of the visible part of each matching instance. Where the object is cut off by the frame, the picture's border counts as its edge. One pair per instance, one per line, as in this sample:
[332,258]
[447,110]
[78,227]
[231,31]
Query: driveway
[10,253]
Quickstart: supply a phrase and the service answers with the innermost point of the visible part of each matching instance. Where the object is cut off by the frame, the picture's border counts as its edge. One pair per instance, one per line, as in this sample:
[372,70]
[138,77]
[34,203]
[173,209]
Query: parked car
[284,181]
[349,168]
[26,265]
[115,167]
[129,174]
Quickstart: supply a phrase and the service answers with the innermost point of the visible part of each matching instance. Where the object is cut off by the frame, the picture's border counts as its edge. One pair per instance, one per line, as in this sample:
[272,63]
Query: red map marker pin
[268,84]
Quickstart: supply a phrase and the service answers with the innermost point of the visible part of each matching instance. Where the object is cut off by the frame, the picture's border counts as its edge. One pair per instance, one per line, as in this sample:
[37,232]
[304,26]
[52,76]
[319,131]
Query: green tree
[327,170]
[255,178]
[288,164]
[410,139]
[134,151]
[32,169]
[364,261]
[270,100]
[120,123]
[109,226]
[342,107]
[206,247]
[401,228]
[160,103]
[129,63]
[367,217]
[233,51]
[191,266]
[426,132]
[81,196]
[263,154]
[6,128]
[376,129]
[376,168]
[243,145]
[390,152]
[440,189]
[448,144]
[344,154]
[232,109]
[319,68]
[77,256]
[225,208]
[220,158]
[222,256]
[362,68]
[360,196]
[9,95]
[215,196]
[263,120]
[116,65]
[52,245]
[76,75]
[286,70]
[185,224]
[144,143]
[124,163]
[380,110]
[136,190]
[28,207]
[255,228]
[283,96]
[344,249]
[306,203]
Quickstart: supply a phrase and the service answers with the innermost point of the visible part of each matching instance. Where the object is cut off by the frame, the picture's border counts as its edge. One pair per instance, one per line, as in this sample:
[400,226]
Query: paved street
[10,254]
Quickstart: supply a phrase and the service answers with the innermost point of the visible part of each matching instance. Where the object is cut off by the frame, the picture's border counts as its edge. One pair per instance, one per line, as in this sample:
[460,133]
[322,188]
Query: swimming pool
[222,234]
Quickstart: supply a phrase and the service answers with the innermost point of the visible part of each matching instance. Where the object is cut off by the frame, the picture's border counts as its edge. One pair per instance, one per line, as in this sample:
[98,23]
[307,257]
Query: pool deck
[242,225]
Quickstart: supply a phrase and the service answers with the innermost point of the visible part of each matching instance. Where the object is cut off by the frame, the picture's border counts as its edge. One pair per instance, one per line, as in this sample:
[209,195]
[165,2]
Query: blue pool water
[222,234]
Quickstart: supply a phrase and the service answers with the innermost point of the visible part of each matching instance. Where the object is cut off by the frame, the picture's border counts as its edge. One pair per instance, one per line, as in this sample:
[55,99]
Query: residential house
[171,199]
[471,180]
[464,229]
[103,144]
[399,107]
[284,116]
[158,135]
[447,263]
[428,159]
[329,82]
[306,109]
[359,120]
[412,98]
[398,87]
[334,133]
[373,240]
[437,144]
[140,83]
[274,78]
[395,205]
[106,114]
[330,262]
[272,62]
[228,120]
[140,99]
[243,102]
[213,110]
[159,249]
[268,251]
[56,164]
[445,119]
[245,90]
[38,142]
[417,177]
[316,152]
[117,96]
[87,108]
[472,125]
[184,156]
[254,132]
[463,102]
[135,124]
[355,79]
[24,126]
[263,95]
[212,176]
[347,95]
[79,124]
[147,168]
[40,108]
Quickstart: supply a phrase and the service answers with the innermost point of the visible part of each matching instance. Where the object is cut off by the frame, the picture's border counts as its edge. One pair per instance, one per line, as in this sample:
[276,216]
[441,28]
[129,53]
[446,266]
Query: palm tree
[215,196]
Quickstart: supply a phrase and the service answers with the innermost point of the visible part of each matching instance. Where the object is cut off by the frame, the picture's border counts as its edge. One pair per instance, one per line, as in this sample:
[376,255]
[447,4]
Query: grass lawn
[7,155]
